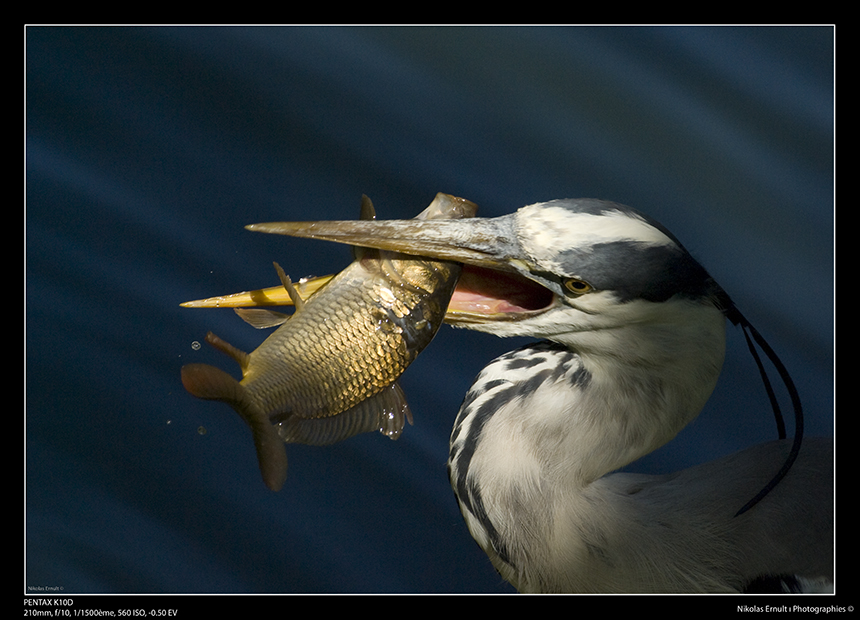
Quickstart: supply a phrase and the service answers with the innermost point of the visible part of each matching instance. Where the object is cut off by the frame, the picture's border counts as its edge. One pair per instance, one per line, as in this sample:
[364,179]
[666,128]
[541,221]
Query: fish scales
[330,370]
[339,351]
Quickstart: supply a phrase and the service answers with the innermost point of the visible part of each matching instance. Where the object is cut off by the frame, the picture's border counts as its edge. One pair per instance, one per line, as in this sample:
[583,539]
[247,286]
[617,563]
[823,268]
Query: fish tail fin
[368,212]
[210,383]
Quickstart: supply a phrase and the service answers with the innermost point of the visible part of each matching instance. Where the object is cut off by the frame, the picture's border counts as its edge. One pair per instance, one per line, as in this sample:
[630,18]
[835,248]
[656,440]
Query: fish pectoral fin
[386,412]
[260,318]
[395,412]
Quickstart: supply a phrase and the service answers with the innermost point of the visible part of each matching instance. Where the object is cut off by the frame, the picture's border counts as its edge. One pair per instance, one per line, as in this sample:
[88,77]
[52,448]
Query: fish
[330,370]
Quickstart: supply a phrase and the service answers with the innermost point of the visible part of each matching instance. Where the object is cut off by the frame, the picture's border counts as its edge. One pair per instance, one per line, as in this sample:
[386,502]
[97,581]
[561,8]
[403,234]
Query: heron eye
[577,286]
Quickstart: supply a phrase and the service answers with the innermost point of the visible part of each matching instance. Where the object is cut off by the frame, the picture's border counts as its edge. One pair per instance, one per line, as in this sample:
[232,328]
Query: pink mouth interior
[484,291]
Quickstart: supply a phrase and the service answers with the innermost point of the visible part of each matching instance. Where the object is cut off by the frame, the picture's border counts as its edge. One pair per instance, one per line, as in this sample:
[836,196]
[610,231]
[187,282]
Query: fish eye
[577,286]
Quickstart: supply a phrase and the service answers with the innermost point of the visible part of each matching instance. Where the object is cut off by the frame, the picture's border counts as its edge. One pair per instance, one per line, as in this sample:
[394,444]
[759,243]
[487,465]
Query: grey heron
[632,339]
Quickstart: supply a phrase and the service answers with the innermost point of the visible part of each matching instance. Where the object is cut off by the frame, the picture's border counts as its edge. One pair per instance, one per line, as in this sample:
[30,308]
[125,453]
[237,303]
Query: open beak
[490,288]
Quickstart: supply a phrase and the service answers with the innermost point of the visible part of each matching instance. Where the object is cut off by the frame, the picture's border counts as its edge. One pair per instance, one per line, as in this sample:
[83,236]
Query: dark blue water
[149,149]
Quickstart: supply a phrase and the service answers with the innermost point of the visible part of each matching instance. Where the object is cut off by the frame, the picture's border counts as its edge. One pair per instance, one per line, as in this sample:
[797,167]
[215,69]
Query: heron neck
[647,381]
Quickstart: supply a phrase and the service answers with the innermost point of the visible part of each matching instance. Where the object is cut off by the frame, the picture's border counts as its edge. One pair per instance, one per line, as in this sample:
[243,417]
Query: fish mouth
[494,285]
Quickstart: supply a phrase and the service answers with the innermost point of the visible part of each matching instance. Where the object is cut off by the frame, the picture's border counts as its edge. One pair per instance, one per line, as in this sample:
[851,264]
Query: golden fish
[330,371]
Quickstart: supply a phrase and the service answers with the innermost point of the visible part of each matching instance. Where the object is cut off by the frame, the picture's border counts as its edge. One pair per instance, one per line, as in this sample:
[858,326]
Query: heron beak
[271,296]
[490,288]
[475,241]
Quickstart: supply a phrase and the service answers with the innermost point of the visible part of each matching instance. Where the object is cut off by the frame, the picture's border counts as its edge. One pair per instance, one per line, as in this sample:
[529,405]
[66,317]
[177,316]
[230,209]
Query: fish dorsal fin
[261,318]
[297,300]
[367,212]
[386,412]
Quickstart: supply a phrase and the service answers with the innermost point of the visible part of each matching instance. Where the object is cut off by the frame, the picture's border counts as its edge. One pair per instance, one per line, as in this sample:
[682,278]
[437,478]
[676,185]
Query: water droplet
[195,345]
[201,430]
